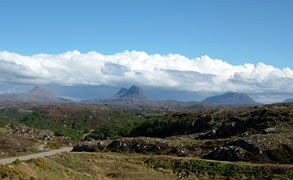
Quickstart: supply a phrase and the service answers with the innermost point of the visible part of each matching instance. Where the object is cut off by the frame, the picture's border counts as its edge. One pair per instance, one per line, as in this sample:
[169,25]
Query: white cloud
[133,67]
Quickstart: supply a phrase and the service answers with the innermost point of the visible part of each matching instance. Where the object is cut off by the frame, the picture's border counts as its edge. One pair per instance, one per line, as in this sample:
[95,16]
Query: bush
[53,144]
[75,134]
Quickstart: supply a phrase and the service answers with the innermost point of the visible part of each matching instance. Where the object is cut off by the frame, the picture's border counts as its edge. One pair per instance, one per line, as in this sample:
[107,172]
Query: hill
[36,95]
[231,98]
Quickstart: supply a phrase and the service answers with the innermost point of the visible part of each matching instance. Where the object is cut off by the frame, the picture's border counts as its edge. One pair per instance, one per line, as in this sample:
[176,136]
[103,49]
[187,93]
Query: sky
[187,46]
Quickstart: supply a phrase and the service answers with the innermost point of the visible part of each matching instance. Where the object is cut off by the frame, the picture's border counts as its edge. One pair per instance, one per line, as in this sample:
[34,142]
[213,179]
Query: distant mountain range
[231,98]
[132,96]
[36,95]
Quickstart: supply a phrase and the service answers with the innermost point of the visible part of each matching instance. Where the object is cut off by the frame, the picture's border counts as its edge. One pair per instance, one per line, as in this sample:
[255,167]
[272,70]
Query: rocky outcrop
[230,153]
[238,150]
[116,146]
[245,145]
[84,147]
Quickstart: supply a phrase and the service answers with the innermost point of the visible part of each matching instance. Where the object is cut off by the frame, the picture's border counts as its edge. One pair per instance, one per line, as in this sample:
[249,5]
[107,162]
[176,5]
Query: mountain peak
[41,91]
[133,92]
[231,98]
[36,88]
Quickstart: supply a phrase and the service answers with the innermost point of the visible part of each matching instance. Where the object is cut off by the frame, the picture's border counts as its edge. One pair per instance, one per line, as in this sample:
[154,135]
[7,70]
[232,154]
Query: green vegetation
[231,121]
[109,122]
[158,127]
[215,170]
[53,144]
[7,172]
[4,121]
[14,113]
[124,166]
[86,166]
[72,121]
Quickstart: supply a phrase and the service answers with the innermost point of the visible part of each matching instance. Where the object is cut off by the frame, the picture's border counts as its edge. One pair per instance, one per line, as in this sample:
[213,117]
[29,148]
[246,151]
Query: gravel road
[37,155]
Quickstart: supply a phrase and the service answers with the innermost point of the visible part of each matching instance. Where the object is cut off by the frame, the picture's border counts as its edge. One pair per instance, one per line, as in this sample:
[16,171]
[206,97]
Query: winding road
[37,155]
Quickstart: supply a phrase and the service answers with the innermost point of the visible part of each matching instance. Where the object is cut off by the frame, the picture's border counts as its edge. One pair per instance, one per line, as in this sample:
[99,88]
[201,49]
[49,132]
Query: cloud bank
[134,67]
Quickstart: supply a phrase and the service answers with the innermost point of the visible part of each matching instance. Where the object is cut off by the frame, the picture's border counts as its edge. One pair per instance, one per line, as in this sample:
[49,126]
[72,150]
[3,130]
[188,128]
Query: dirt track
[37,155]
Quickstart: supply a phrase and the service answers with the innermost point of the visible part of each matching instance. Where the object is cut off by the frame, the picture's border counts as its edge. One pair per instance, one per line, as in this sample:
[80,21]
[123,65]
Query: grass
[142,167]
[89,166]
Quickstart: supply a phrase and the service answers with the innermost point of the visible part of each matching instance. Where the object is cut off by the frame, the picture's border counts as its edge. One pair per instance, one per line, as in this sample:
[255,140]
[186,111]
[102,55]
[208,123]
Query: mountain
[231,98]
[288,100]
[132,96]
[36,95]
[133,92]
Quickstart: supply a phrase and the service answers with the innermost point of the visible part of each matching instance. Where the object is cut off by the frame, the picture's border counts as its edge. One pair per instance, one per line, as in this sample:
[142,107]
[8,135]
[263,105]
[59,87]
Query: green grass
[212,169]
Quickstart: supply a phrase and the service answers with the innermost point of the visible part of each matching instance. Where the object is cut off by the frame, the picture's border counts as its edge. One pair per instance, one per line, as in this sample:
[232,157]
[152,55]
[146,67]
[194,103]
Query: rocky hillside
[254,134]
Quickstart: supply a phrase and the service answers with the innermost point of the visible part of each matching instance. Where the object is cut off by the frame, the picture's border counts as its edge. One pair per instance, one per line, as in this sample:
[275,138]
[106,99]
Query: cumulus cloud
[133,67]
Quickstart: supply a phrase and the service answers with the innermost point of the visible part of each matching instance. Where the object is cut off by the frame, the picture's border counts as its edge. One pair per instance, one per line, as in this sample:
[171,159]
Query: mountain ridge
[134,96]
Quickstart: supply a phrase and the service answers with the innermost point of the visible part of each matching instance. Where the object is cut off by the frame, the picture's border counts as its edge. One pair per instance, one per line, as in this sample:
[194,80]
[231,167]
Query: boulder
[116,145]
[84,147]
[269,130]
[180,152]
[230,153]
[101,145]
[244,134]
[245,145]
[155,148]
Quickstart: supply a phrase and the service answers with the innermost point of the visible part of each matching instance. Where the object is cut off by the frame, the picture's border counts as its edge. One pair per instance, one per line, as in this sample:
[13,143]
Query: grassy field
[134,166]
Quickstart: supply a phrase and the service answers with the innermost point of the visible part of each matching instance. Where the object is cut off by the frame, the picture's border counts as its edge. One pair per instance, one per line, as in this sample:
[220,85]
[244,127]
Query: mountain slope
[231,98]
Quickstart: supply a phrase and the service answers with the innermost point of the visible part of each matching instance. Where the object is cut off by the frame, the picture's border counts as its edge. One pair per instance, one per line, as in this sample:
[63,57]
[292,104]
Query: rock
[116,145]
[83,147]
[180,152]
[155,148]
[245,145]
[270,130]
[244,134]
[101,145]
[46,138]
[43,147]
[230,153]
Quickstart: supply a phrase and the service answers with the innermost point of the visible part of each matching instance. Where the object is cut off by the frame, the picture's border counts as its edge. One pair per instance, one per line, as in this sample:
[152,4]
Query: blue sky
[238,32]
[227,45]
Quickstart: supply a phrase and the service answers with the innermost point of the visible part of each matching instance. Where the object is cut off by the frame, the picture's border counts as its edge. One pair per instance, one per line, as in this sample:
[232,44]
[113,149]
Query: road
[37,155]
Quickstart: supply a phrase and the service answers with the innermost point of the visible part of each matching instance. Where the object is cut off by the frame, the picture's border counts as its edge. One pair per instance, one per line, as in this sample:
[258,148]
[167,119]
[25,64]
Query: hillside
[220,134]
